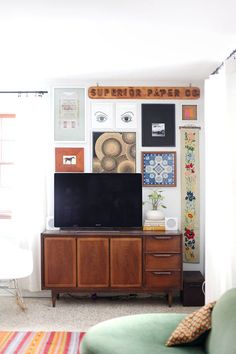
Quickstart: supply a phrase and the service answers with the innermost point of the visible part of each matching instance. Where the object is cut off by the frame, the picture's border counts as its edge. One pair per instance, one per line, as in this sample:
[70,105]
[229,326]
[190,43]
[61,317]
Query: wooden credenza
[111,261]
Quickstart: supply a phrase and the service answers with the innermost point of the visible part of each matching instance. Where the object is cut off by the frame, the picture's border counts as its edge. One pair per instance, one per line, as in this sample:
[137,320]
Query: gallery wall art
[159,168]
[102,115]
[69,114]
[114,152]
[189,112]
[69,159]
[158,124]
[190,194]
[126,116]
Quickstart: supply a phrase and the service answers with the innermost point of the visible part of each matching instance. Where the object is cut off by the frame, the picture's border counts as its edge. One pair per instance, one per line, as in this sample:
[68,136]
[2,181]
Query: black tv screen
[97,200]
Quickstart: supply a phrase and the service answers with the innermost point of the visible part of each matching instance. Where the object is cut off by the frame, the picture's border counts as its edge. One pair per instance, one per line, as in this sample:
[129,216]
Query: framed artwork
[159,168]
[69,114]
[189,112]
[102,115]
[114,152]
[69,159]
[126,116]
[158,124]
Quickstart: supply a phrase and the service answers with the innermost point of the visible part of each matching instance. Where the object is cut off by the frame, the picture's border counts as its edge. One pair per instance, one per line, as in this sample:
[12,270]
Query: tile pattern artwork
[159,168]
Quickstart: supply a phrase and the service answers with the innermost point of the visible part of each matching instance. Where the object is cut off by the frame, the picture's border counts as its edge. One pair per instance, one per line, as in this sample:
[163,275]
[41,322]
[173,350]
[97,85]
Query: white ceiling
[125,40]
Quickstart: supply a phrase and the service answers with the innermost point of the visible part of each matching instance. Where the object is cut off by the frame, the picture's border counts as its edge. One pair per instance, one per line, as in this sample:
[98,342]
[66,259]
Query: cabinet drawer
[163,279]
[163,261]
[163,244]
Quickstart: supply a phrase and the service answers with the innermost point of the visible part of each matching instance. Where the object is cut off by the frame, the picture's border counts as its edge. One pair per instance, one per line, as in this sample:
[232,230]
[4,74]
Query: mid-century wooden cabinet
[111,261]
[93,262]
[126,262]
[60,262]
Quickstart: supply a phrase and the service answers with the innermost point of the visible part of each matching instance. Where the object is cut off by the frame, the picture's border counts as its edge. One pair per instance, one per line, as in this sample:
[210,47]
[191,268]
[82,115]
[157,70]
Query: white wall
[172,194]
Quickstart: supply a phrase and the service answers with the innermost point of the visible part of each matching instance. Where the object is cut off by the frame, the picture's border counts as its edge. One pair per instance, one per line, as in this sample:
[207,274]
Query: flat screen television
[93,200]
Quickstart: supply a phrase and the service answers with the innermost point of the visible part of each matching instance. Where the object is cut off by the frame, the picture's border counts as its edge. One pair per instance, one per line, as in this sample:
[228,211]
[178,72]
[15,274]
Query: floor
[74,313]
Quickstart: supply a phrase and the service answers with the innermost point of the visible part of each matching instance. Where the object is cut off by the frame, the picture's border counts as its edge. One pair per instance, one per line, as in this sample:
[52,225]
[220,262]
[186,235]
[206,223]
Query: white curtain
[220,124]
[29,213]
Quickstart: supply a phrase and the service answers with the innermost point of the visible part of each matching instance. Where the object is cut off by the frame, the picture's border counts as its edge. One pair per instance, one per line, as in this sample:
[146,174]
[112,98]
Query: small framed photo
[69,159]
[159,168]
[189,112]
[69,114]
[126,116]
[102,115]
[158,129]
[158,124]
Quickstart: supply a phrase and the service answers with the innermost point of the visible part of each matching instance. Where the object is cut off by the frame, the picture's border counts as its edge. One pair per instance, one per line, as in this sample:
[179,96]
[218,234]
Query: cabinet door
[60,262]
[93,262]
[126,262]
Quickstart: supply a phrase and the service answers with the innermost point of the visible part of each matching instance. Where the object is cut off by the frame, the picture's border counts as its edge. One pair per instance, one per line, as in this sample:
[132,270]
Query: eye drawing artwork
[126,115]
[102,115]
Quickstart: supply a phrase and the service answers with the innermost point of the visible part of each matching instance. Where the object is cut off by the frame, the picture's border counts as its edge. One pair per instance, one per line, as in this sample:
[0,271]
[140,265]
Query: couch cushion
[222,337]
[192,326]
[137,334]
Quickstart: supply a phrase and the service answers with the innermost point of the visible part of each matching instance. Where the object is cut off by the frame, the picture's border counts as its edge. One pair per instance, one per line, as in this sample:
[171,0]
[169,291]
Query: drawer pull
[161,255]
[161,273]
[162,237]
[195,285]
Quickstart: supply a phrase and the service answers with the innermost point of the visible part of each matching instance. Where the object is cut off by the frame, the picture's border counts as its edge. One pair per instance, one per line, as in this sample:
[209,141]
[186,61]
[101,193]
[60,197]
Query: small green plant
[155,199]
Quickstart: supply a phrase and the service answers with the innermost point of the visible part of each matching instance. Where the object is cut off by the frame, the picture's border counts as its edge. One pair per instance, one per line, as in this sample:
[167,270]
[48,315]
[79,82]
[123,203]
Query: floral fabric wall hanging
[190,195]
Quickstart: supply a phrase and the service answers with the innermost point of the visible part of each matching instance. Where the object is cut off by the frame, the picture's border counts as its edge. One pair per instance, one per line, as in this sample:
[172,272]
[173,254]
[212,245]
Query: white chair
[15,263]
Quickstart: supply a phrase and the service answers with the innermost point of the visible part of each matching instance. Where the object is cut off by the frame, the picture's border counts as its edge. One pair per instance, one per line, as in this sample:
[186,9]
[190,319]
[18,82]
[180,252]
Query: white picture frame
[69,114]
[126,116]
[102,115]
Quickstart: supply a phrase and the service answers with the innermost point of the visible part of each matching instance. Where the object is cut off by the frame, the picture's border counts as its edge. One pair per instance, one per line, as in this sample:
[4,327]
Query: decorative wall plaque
[142,92]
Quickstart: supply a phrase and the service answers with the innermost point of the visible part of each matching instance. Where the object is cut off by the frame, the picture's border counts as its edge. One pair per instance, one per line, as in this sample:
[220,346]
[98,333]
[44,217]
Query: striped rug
[40,342]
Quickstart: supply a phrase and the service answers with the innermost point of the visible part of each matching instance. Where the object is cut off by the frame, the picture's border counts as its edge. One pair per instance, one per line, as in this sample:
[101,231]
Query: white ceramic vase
[155,215]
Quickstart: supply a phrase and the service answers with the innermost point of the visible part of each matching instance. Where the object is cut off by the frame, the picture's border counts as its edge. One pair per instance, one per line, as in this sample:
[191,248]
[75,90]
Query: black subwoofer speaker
[192,294]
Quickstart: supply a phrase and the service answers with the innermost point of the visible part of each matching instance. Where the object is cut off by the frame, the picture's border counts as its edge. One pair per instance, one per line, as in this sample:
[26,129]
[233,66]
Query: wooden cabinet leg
[170,297]
[54,298]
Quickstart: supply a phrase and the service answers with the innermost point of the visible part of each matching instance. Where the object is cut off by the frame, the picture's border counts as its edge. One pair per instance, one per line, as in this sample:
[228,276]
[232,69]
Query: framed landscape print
[158,124]
[69,159]
[69,114]
[126,116]
[114,152]
[159,168]
[102,115]
[189,112]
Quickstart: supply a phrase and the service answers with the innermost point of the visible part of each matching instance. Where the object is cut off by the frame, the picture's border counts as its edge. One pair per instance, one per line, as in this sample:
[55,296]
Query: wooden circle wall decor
[114,152]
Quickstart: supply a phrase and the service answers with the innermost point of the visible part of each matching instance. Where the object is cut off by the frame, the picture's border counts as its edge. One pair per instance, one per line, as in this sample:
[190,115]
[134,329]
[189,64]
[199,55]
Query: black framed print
[158,124]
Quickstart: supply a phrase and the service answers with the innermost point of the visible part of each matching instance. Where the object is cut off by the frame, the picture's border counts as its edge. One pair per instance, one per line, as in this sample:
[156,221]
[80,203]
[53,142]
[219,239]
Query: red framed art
[69,159]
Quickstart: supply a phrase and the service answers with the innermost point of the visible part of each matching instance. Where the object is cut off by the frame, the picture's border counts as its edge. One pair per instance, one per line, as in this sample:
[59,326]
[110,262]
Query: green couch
[148,333]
